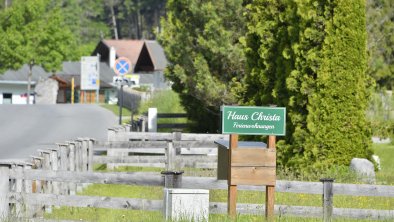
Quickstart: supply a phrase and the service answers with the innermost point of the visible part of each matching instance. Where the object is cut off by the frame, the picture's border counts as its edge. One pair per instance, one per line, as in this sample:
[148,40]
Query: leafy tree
[140,18]
[380,26]
[87,20]
[33,31]
[201,42]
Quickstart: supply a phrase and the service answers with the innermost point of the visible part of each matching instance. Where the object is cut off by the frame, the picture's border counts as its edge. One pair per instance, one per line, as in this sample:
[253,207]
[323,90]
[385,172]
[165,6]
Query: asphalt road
[26,128]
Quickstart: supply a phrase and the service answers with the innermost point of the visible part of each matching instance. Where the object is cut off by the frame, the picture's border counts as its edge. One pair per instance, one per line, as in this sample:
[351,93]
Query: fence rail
[211,183]
[54,176]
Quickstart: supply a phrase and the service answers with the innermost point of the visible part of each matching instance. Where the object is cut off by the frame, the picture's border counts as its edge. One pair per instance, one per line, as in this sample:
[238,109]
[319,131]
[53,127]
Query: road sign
[122,66]
[90,73]
[254,120]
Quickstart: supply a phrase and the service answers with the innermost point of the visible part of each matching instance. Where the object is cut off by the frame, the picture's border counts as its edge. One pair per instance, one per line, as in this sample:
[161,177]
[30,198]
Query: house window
[7,98]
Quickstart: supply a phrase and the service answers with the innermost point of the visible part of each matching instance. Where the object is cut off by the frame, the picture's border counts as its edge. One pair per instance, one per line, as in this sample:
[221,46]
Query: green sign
[254,120]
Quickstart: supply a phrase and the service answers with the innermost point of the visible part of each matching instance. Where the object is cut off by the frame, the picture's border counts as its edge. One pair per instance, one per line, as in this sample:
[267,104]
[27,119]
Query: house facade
[72,70]
[13,84]
[147,59]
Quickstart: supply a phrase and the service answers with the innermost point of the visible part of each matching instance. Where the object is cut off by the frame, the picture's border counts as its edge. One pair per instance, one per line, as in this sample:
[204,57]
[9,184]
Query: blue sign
[122,66]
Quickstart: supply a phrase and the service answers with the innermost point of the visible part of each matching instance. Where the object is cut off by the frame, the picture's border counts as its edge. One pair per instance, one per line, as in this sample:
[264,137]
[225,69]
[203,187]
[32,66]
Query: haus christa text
[259,120]
[253,120]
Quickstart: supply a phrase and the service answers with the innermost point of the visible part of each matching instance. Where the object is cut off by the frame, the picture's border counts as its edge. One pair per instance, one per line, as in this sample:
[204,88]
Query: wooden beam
[87,201]
[137,178]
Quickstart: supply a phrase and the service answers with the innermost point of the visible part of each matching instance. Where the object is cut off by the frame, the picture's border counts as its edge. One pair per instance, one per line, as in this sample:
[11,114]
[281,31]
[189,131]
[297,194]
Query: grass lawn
[386,155]
[115,109]
[385,176]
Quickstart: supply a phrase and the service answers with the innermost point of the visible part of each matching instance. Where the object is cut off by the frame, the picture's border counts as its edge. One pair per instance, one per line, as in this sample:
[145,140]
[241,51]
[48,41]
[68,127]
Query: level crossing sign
[122,66]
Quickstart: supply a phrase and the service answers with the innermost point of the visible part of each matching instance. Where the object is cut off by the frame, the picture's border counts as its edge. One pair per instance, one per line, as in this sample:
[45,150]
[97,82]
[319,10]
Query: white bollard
[186,204]
[152,120]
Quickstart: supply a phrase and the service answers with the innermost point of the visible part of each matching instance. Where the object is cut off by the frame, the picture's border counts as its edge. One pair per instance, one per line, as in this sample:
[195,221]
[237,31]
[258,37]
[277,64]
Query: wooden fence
[53,177]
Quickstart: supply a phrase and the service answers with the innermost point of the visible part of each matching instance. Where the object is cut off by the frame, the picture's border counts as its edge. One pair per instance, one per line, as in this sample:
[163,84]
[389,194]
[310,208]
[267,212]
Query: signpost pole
[120,102]
[98,80]
[270,190]
[121,68]
[72,90]
[232,189]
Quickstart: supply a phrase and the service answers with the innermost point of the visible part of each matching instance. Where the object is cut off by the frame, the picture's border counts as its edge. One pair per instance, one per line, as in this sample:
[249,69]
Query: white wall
[17,90]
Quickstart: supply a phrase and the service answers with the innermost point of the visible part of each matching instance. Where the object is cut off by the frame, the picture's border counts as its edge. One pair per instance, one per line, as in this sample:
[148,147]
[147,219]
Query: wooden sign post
[232,189]
[270,190]
[252,165]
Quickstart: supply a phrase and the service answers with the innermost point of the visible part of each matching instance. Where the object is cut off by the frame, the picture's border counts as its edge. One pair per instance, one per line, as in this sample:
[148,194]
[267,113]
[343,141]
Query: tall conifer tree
[337,125]
[310,56]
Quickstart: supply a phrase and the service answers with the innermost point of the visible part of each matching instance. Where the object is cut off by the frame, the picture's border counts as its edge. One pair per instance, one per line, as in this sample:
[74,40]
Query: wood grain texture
[86,201]
[253,157]
[232,201]
[253,175]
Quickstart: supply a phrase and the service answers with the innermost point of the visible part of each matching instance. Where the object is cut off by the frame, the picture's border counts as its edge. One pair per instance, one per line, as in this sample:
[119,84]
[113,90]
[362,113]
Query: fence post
[78,156]
[37,164]
[170,156]
[90,154]
[55,167]
[111,134]
[64,162]
[47,186]
[28,188]
[79,160]
[4,189]
[84,155]
[72,159]
[327,198]
[18,183]
[177,136]
[37,185]
[172,177]
[85,158]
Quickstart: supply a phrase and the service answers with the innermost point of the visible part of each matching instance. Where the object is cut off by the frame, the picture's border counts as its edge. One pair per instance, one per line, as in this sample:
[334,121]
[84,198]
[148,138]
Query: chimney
[112,57]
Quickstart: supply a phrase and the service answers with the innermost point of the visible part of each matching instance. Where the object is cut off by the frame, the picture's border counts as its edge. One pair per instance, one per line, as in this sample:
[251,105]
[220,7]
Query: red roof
[126,48]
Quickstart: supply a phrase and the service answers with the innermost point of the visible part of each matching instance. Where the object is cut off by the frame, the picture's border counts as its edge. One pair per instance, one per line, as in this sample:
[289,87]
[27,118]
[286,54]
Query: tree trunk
[114,22]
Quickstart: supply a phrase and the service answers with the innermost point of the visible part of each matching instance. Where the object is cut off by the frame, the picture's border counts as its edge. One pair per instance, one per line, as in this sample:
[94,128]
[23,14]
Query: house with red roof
[147,59]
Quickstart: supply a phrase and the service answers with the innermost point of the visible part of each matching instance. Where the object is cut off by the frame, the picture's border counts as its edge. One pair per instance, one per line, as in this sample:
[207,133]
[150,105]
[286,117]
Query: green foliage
[201,42]
[385,152]
[380,26]
[312,60]
[34,31]
[103,215]
[381,114]
[281,73]
[88,22]
[115,109]
[166,101]
[337,125]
